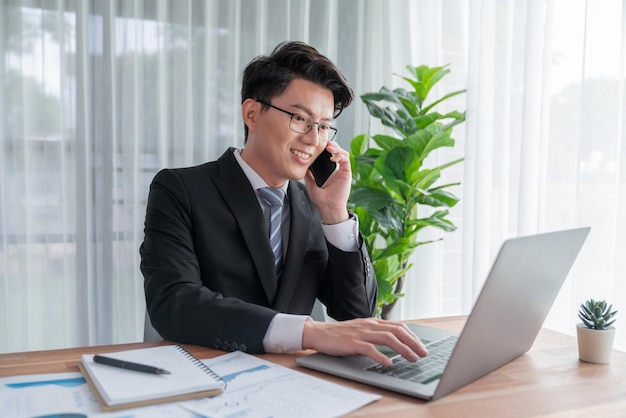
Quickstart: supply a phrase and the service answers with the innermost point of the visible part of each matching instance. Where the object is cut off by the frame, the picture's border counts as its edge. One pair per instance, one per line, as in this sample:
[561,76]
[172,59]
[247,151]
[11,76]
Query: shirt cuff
[284,335]
[344,235]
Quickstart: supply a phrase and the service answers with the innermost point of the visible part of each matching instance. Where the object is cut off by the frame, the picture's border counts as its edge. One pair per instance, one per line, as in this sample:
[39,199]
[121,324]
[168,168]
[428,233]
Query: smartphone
[322,168]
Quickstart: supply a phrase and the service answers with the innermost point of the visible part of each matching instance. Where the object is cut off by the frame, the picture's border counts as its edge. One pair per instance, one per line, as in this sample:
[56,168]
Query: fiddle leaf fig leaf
[358,145]
[392,180]
[386,142]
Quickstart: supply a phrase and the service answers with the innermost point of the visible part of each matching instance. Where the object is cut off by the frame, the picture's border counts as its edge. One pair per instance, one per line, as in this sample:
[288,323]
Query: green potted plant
[595,332]
[392,181]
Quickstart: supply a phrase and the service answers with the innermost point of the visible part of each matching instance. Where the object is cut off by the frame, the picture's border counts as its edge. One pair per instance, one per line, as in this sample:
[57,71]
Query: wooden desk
[548,381]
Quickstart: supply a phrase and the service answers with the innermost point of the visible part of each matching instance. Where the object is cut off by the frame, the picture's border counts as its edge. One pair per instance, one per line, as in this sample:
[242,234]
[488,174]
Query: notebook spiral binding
[201,365]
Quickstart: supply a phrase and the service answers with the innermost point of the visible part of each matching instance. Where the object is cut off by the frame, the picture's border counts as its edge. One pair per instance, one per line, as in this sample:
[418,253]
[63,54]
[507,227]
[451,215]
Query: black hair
[268,76]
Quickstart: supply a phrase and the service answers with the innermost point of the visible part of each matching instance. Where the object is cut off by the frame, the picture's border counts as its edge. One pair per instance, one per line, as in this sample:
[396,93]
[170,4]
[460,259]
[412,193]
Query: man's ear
[249,112]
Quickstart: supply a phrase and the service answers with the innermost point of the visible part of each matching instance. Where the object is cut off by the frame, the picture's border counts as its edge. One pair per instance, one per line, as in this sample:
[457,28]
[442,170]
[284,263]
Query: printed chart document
[67,395]
[259,388]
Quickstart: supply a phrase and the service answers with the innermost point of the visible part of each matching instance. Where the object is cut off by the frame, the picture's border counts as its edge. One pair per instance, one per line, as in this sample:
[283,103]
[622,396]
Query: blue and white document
[259,388]
[255,388]
[67,395]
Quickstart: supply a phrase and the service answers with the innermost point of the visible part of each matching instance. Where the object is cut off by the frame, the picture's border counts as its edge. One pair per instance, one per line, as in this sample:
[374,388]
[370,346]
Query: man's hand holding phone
[331,198]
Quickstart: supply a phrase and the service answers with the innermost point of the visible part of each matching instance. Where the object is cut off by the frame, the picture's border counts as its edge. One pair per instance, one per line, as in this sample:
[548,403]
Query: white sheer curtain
[96,96]
[544,144]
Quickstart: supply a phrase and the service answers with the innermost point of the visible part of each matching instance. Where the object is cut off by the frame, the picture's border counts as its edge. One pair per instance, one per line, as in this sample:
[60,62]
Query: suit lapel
[241,199]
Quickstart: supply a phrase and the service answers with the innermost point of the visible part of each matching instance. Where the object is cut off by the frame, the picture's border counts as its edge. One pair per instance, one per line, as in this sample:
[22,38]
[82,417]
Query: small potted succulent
[595,332]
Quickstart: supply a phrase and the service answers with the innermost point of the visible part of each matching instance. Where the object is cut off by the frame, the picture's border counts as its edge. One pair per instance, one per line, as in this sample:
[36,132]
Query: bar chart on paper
[258,388]
[254,374]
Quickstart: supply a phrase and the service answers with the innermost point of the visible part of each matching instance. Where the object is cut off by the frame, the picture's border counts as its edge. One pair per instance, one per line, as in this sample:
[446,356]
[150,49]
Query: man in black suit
[211,276]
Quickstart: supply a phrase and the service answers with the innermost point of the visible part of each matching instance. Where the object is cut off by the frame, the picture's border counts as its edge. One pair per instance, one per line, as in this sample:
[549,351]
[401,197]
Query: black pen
[122,364]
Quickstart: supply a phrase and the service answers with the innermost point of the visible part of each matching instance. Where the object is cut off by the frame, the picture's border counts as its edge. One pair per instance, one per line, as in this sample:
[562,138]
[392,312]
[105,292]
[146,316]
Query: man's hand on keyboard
[360,336]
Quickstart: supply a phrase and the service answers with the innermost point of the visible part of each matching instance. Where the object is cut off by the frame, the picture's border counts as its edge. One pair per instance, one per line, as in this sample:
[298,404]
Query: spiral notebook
[116,388]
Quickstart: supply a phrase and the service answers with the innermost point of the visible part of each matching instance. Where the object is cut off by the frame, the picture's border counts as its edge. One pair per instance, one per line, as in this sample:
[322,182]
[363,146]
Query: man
[224,268]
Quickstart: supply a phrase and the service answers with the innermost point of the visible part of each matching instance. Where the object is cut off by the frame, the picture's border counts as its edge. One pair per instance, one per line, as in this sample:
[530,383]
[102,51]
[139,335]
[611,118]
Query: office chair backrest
[149,333]
[318,313]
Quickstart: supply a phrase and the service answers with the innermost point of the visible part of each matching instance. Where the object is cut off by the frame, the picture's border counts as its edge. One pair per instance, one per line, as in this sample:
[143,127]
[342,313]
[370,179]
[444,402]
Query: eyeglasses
[303,125]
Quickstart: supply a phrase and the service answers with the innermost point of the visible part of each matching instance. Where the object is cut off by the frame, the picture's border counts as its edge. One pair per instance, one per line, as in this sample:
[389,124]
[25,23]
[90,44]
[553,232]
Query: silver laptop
[507,316]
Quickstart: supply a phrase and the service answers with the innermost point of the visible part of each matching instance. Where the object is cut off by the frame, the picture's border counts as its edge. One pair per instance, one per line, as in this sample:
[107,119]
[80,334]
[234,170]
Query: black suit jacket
[208,266]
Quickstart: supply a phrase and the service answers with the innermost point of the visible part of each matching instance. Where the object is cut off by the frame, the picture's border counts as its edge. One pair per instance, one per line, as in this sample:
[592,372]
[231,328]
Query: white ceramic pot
[595,345]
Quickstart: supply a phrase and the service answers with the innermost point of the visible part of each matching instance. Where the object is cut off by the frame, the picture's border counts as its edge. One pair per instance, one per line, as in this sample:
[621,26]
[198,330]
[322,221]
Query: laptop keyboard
[425,370]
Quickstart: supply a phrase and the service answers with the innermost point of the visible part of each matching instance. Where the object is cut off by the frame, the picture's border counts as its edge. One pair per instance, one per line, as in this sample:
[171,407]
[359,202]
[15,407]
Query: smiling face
[273,150]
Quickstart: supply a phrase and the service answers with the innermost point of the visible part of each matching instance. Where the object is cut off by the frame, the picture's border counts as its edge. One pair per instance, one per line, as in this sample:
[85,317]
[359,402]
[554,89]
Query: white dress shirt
[285,331]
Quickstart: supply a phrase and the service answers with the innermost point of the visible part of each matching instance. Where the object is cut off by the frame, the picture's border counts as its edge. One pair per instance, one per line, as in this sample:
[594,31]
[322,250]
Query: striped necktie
[274,198]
